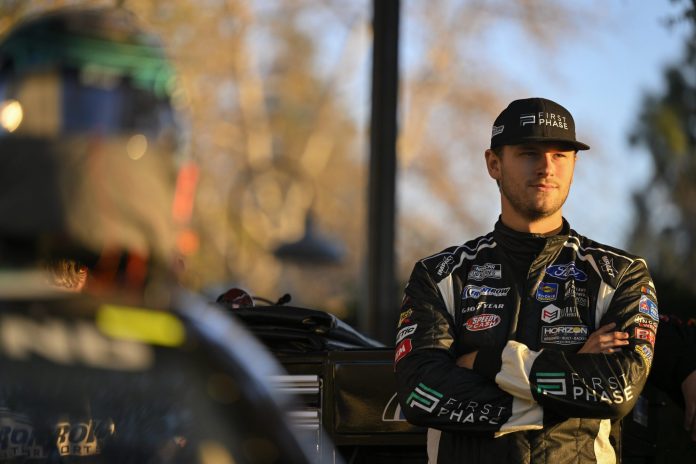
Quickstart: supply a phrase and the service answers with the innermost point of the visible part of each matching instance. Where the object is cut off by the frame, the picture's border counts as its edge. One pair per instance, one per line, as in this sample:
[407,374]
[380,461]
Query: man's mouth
[544,186]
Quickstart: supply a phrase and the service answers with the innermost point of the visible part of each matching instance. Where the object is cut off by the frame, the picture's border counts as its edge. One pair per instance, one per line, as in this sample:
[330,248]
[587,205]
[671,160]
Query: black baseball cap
[535,120]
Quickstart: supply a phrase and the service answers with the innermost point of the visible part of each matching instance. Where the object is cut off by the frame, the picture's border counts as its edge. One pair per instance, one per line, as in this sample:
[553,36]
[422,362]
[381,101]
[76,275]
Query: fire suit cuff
[488,362]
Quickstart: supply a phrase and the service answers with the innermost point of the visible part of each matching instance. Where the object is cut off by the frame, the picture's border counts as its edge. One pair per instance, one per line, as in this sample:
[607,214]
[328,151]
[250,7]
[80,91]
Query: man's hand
[688,388]
[603,340]
[467,360]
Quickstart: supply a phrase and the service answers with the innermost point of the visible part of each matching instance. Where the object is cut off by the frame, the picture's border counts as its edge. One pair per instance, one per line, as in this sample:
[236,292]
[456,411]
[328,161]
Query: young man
[525,345]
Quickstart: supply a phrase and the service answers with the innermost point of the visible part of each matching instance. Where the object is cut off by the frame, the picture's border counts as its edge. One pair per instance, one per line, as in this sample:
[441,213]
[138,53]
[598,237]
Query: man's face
[534,178]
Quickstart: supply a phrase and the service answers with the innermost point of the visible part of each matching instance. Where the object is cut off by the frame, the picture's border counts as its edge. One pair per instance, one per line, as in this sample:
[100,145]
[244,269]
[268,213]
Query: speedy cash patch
[482,322]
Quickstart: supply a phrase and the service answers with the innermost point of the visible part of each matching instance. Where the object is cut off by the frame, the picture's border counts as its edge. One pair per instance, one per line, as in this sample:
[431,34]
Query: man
[526,344]
[103,358]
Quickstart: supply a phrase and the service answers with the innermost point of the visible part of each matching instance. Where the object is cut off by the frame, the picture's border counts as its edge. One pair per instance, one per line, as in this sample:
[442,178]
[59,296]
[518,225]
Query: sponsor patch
[565,334]
[475,291]
[403,317]
[565,271]
[402,349]
[645,334]
[645,322]
[482,322]
[552,313]
[444,267]
[553,383]
[646,306]
[482,306]
[405,332]
[497,130]
[645,352]
[578,294]
[645,290]
[547,292]
[485,271]
[607,266]
[423,397]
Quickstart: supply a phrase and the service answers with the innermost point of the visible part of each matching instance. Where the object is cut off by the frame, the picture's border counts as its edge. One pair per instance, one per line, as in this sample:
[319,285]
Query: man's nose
[545,164]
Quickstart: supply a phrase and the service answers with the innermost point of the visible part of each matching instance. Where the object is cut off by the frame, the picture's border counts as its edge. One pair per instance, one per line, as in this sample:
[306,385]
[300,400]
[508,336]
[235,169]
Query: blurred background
[278,97]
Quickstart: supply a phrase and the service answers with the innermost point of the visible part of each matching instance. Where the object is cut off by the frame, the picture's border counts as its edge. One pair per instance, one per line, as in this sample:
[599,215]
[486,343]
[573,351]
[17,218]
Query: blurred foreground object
[104,358]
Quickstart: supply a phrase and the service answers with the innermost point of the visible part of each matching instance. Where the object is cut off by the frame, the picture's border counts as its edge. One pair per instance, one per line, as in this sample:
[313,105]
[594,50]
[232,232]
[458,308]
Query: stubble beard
[526,207]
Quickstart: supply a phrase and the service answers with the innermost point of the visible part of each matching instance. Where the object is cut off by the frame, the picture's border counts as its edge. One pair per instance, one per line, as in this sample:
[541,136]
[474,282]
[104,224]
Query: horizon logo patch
[564,271]
[482,322]
[646,306]
[565,334]
[553,383]
[424,398]
[527,119]
[475,291]
[547,292]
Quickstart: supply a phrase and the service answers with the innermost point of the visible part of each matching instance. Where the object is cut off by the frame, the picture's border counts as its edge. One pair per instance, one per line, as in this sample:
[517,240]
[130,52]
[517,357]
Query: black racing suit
[527,304]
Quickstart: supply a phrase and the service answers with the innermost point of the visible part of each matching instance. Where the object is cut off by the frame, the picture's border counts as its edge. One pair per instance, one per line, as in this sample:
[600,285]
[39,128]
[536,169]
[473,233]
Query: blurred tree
[665,227]
[277,94]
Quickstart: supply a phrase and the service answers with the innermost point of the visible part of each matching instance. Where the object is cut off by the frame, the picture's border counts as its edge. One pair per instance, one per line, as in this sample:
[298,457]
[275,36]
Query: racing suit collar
[522,248]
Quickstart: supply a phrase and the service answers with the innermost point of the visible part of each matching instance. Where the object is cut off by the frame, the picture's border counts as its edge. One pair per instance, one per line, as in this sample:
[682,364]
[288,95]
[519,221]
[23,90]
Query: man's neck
[547,226]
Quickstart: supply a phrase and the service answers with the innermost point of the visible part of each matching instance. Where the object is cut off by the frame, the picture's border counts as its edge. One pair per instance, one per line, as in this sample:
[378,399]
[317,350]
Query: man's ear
[493,164]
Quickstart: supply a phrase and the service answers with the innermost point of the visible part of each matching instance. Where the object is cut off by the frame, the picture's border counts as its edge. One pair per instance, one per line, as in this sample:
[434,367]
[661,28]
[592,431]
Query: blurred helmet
[90,143]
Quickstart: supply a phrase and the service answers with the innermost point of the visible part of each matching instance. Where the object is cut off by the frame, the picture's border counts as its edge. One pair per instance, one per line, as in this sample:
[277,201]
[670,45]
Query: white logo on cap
[497,130]
[527,119]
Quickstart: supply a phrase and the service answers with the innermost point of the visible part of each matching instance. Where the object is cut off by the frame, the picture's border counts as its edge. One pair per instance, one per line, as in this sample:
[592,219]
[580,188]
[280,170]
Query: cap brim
[572,143]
